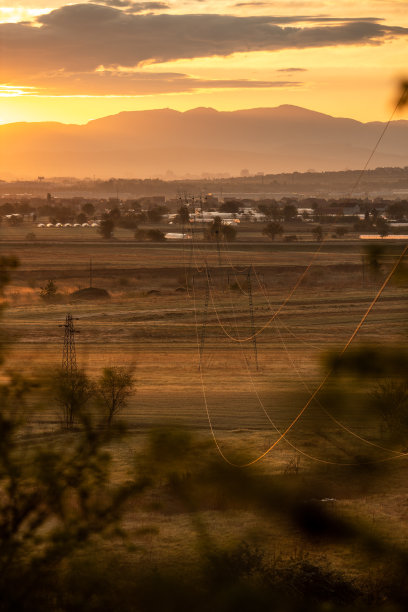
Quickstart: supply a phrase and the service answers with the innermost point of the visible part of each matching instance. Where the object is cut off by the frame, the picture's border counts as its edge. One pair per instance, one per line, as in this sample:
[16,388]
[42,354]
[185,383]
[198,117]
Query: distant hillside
[169,143]
[380,182]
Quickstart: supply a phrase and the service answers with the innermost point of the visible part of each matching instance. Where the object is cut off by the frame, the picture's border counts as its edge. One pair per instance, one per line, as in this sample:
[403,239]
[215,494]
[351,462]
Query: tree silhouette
[114,389]
[72,391]
[289,212]
[382,227]
[183,216]
[318,233]
[88,208]
[273,229]
[106,227]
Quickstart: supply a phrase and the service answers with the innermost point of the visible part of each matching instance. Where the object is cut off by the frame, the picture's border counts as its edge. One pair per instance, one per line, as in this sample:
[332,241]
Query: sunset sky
[79,61]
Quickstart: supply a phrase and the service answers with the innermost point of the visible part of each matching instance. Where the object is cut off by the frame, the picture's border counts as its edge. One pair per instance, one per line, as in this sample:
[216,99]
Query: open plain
[174,306]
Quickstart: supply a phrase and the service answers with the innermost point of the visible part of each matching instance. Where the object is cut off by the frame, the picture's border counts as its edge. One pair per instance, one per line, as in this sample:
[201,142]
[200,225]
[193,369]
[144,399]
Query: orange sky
[79,61]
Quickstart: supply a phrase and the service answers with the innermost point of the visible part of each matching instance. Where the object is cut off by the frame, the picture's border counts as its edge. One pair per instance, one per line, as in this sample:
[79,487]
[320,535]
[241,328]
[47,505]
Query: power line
[313,395]
[329,373]
[396,454]
[398,104]
[277,312]
[336,421]
[348,430]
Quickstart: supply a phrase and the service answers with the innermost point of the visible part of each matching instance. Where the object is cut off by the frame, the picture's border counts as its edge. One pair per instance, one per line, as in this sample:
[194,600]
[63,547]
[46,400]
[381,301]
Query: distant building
[388,237]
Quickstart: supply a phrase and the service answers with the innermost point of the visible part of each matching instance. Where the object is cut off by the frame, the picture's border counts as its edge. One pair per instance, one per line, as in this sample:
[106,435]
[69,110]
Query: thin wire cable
[297,337]
[397,453]
[336,421]
[315,392]
[316,253]
[263,407]
[297,449]
[318,389]
[266,296]
[197,267]
[300,451]
[186,277]
[272,318]
[329,373]
[378,141]
[214,437]
[226,251]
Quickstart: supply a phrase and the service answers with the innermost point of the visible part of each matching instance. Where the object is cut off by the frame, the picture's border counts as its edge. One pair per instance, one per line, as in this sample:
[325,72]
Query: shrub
[273,229]
[49,292]
[391,400]
[155,235]
[114,389]
[140,234]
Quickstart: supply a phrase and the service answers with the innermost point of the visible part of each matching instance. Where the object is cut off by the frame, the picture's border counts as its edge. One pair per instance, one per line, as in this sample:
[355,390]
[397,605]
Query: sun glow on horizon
[19,14]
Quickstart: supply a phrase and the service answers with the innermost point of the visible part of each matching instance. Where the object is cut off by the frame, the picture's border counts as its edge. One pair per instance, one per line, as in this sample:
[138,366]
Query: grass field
[154,322]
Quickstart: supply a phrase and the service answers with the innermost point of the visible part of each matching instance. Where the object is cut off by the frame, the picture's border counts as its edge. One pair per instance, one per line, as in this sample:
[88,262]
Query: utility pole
[69,363]
[205,319]
[217,237]
[251,311]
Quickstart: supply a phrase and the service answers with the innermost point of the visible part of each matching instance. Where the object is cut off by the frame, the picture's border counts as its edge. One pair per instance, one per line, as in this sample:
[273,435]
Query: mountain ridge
[147,143]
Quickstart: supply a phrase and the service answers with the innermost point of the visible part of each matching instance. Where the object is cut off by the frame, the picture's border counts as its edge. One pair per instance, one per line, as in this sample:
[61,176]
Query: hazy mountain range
[161,142]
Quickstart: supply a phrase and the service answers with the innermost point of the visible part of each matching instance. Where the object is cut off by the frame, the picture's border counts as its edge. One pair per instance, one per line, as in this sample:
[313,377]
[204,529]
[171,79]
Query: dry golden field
[154,322]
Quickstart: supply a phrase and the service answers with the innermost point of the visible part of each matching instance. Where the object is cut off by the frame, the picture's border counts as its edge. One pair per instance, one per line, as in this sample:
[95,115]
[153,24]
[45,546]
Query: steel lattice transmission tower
[69,363]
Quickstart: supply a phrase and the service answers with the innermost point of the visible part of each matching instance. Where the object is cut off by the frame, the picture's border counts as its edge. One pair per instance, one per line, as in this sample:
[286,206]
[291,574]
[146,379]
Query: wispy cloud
[291,70]
[133,7]
[252,4]
[136,83]
[11,91]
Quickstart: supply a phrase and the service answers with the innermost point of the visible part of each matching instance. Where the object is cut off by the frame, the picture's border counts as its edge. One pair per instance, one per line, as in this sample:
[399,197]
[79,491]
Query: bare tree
[72,390]
[114,389]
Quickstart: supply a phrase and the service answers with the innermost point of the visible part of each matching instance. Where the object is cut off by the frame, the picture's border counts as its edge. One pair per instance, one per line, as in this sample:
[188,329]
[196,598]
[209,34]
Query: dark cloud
[81,37]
